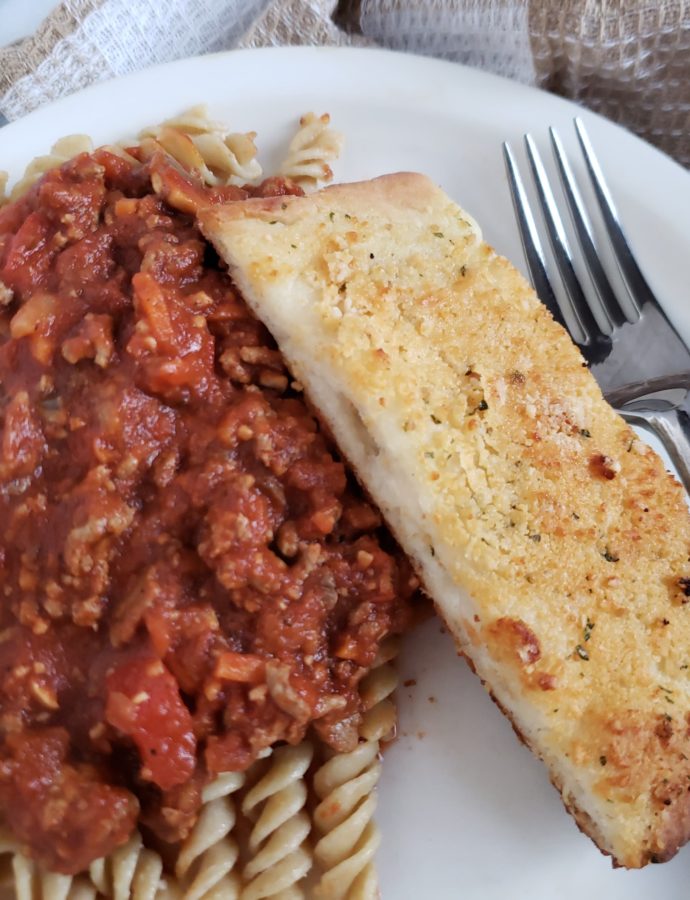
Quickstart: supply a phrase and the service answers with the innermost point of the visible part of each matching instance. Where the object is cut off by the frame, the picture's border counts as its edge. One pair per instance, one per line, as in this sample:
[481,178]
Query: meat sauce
[188,573]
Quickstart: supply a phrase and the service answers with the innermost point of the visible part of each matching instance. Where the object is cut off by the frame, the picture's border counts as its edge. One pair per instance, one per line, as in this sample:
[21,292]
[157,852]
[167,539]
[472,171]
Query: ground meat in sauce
[188,573]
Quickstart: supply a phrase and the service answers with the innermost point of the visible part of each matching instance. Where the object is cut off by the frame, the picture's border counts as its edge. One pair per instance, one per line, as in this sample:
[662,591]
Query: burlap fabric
[627,59]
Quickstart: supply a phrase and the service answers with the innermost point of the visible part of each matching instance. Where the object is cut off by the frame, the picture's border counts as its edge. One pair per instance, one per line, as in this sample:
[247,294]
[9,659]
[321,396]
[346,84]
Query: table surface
[19,19]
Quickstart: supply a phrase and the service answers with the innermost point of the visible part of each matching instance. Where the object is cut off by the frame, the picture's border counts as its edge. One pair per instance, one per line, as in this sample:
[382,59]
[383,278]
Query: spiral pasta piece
[205,866]
[346,787]
[61,151]
[169,889]
[33,883]
[277,845]
[132,872]
[205,148]
[311,150]
[380,717]
[193,120]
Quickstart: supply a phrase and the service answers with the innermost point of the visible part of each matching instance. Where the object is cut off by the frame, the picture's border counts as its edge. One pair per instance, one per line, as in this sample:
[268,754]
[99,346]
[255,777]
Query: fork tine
[609,303]
[638,287]
[561,250]
[531,245]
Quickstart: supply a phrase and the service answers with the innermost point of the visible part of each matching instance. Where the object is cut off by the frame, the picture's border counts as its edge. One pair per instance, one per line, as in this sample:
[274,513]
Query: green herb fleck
[432,551]
[602,760]
[576,517]
[348,216]
[438,234]
[331,215]
[684,666]
[428,454]
[283,205]
[294,246]
[585,432]
[463,271]
[535,537]
[664,689]
[581,652]
[435,419]
[589,626]
[273,222]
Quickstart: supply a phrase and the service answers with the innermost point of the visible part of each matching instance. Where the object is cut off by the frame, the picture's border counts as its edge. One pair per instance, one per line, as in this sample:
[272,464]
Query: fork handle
[672,427]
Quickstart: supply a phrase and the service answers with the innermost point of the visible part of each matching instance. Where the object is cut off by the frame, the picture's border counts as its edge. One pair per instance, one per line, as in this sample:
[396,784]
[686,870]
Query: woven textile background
[627,59]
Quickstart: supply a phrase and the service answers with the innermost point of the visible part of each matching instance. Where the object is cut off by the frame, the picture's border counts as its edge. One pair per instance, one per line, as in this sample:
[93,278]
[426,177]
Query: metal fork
[631,354]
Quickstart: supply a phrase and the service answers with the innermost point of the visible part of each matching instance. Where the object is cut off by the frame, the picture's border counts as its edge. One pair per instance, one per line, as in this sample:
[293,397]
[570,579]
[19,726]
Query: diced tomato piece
[144,703]
[227,753]
[246,667]
[29,256]
[90,817]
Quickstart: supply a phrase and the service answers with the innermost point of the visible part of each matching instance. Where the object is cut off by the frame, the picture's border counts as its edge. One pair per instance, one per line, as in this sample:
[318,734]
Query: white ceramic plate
[466,811]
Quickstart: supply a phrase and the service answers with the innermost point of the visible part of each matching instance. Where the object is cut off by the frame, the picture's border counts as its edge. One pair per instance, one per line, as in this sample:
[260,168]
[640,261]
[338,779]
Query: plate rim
[24,125]
[430,62]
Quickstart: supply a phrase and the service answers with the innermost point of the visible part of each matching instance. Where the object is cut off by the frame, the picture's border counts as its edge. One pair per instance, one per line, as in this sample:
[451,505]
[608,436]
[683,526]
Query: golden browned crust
[550,537]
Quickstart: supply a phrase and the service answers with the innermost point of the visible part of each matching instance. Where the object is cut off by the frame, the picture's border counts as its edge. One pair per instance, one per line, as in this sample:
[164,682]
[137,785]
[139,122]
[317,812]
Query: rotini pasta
[346,788]
[61,151]
[206,863]
[194,120]
[31,883]
[311,150]
[205,147]
[277,847]
[132,871]
[380,716]
[279,856]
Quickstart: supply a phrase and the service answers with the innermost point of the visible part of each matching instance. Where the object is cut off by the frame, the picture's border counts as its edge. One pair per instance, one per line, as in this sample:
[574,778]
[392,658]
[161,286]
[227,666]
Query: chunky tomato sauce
[188,574]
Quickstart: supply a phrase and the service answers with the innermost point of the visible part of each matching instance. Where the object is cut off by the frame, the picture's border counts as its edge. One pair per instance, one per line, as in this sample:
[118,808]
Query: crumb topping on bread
[551,538]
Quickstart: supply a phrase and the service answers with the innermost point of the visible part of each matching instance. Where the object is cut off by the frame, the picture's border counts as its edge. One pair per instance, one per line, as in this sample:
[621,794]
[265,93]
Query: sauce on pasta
[189,575]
